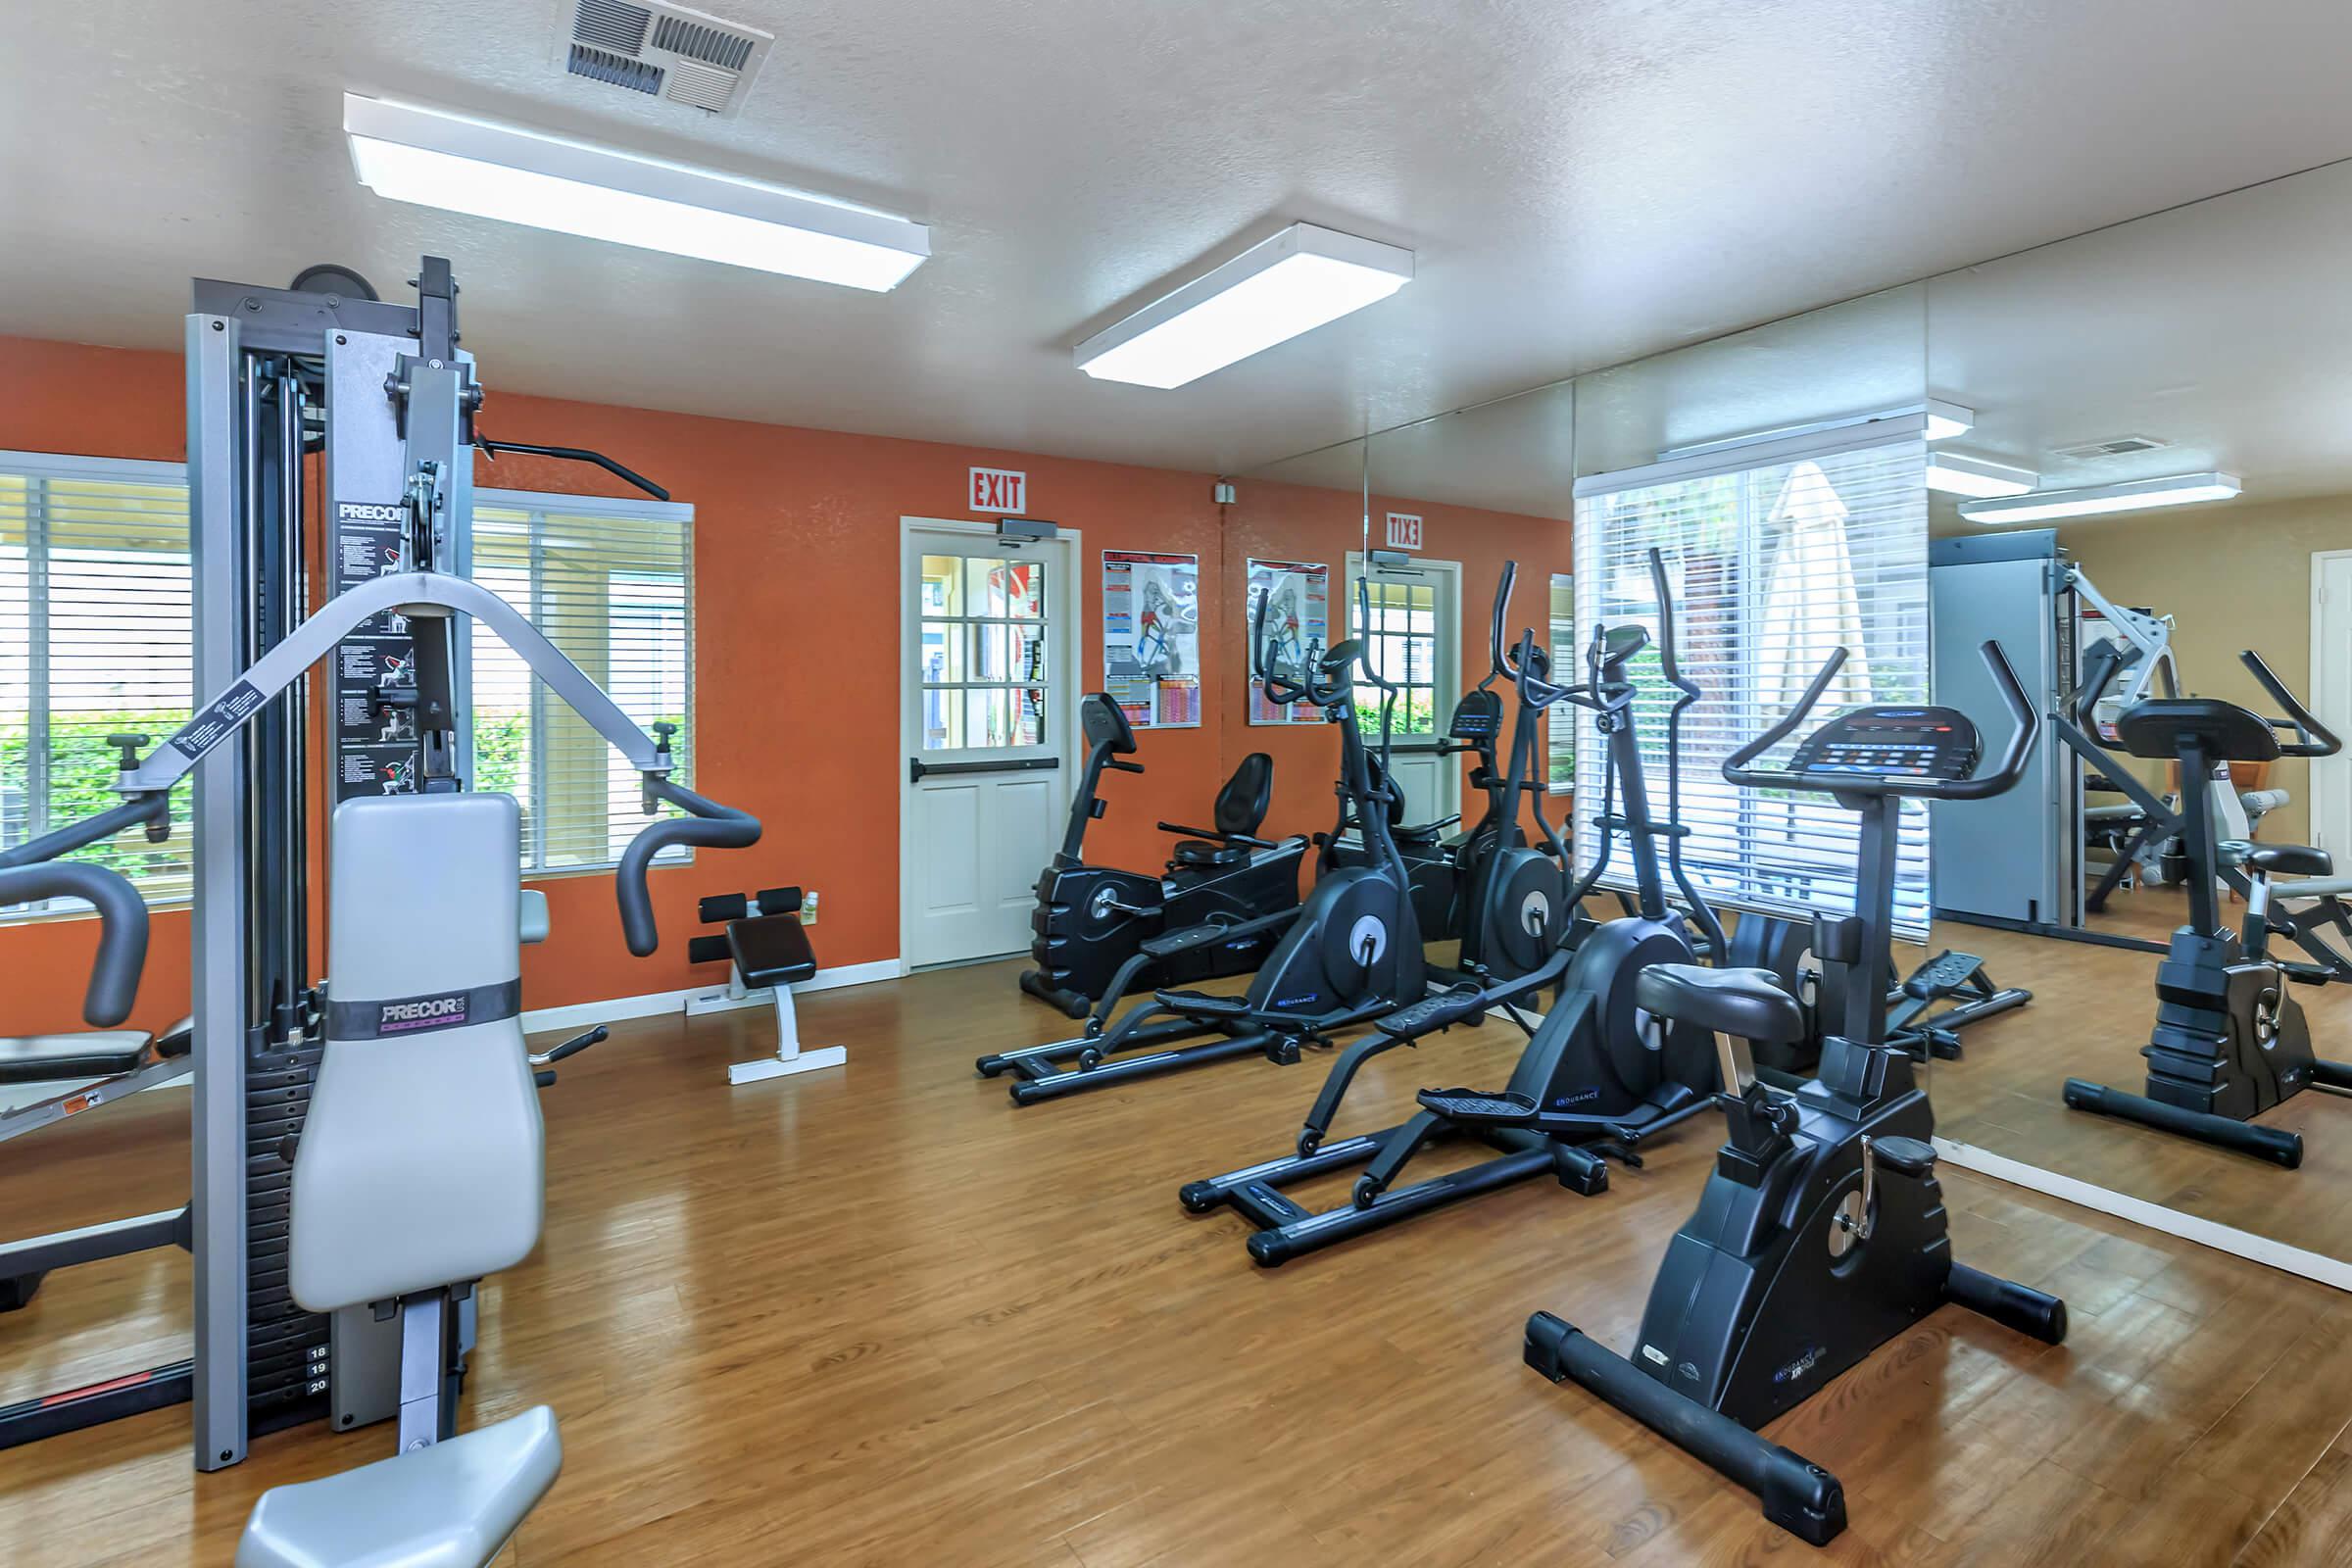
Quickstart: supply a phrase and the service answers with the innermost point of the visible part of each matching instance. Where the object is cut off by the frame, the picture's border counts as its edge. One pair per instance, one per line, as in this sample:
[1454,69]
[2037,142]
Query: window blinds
[95,640]
[1808,547]
[610,584]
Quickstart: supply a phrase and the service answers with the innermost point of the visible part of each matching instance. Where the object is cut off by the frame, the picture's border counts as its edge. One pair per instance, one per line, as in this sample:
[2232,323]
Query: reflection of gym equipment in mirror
[2229,1042]
[2048,859]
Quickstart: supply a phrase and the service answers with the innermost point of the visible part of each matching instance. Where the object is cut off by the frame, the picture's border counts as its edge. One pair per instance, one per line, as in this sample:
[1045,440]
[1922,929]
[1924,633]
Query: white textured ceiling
[1584,180]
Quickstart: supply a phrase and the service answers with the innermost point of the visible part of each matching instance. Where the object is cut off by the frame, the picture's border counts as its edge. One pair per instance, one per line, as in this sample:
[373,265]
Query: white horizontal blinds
[95,639]
[612,588]
[1771,567]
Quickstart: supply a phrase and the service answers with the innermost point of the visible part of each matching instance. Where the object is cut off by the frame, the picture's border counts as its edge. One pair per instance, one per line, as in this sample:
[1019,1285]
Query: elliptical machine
[1500,896]
[2230,1043]
[1091,921]
[1821,1233]
[1351,954]
[1593,1078]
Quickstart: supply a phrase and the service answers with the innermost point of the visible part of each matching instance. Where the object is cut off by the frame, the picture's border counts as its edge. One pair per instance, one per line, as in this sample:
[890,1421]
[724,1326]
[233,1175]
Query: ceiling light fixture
[1270,293]
[435,158]
[1934,420]
[1957,473]
[2043,506]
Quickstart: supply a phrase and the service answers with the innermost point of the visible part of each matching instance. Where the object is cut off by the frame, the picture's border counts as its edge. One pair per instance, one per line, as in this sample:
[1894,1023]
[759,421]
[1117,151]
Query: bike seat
[2295,860]
[1206,852]
[1747,1002]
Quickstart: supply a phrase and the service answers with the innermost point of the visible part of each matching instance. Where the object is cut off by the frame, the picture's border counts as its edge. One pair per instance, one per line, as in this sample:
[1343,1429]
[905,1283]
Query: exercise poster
[1297,599]
[1151,637]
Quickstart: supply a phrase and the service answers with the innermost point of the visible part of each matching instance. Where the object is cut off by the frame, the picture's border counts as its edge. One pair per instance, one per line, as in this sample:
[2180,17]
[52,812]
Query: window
[609,582]
[1772,565]
[1560,725]
[1397,618]
[95,640]
[984,653]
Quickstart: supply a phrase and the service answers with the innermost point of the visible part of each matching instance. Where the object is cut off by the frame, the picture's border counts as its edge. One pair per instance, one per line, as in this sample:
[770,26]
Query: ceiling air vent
[662,50]
[2114,447]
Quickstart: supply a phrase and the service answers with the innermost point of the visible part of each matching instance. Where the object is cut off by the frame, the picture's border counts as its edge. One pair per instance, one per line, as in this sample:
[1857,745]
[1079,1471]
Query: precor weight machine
[387,398]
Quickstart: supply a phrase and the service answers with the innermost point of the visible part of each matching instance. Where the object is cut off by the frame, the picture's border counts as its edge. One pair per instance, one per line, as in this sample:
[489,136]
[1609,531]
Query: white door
[1411,619]
[988,710]
[2332,700]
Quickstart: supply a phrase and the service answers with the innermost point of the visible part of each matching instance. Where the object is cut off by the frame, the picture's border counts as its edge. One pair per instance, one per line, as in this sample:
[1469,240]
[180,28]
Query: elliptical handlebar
[1702,914]
[707,825]
[2313,738]
[1983,783]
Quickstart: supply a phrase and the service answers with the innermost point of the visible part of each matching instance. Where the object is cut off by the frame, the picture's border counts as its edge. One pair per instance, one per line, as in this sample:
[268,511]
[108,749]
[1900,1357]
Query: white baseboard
[653,1003]
[2155,1216]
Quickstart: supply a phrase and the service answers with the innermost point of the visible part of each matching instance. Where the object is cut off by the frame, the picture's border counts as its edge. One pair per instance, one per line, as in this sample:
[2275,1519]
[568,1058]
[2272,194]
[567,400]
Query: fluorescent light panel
[435,158]
[1938,420]
[1270,293]
[1959,474]
[2043,506]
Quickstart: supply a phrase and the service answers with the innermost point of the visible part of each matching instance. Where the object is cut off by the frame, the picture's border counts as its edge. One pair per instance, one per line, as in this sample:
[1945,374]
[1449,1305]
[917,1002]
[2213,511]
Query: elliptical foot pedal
[1465,1003]
[1942,975]
[1472,1108]
[1201,1005]
[1905,1157]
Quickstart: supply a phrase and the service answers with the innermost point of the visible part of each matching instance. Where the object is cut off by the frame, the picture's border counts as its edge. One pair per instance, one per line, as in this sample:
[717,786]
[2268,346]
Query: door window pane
[943,585]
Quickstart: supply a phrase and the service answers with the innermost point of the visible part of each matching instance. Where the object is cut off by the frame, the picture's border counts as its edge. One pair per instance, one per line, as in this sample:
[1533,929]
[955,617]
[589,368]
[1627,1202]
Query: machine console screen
[1939,743]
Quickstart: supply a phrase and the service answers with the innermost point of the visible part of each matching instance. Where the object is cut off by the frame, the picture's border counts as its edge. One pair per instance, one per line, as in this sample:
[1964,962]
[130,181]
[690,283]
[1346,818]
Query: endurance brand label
[374,1019]
[222,715]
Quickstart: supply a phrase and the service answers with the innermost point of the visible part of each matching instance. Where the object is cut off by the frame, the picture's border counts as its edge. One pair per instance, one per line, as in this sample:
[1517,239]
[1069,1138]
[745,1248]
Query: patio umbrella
[1811,603]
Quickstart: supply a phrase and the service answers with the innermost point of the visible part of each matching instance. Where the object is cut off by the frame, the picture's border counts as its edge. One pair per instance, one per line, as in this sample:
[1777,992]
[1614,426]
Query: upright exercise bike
[1594,1075]
[1821,1233]
[1351,954]
[1092,922]
[2230,1043]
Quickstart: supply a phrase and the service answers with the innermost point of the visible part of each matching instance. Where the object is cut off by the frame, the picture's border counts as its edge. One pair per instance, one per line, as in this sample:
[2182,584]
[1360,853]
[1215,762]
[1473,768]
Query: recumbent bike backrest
[1104,723]
[1241,803]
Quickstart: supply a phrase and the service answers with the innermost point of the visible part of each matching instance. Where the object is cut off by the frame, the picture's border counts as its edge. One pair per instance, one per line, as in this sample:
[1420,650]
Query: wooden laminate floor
[883,1316]
[2092,1010]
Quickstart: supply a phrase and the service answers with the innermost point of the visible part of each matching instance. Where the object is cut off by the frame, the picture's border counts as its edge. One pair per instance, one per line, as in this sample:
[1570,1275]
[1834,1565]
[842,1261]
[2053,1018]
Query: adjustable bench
[767,948]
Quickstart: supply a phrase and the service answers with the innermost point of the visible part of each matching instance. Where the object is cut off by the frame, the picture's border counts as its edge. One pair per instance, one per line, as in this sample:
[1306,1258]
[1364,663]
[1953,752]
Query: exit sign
[1002,491]
[1404,531]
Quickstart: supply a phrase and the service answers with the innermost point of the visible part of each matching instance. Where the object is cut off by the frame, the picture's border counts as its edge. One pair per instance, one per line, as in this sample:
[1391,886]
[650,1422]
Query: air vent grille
[703,87]
[662,49]
[2113,447]
[712,46]
[602,65]
[613,24]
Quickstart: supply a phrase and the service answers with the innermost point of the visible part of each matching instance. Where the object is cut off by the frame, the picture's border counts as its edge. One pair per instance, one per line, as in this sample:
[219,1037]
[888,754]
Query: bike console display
[1935,743]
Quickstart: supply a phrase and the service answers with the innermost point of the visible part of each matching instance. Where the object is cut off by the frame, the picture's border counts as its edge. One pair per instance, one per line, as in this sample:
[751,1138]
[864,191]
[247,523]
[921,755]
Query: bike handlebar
[709,825]
[1984,782]
[122,928]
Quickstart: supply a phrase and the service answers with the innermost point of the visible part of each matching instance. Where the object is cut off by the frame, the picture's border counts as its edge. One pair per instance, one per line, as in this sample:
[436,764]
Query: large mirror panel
[2157,482]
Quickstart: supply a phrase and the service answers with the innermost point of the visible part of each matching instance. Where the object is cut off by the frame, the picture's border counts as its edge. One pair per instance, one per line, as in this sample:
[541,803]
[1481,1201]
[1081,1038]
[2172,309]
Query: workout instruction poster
[377,748]
[1151,637]
[1297,599]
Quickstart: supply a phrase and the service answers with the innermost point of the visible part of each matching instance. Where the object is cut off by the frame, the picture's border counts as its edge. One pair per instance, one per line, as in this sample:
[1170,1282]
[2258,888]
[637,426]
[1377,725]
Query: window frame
[74,467]
[536,503]
[1759,881]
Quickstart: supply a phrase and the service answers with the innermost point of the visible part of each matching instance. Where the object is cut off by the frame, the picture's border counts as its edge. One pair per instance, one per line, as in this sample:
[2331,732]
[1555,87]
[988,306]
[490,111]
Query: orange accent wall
[796,655]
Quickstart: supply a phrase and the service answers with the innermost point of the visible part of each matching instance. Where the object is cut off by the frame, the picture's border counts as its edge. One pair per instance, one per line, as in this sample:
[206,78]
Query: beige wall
[2232,577]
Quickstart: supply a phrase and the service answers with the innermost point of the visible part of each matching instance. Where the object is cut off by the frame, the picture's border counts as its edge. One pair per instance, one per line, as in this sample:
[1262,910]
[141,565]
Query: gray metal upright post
[217,515]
